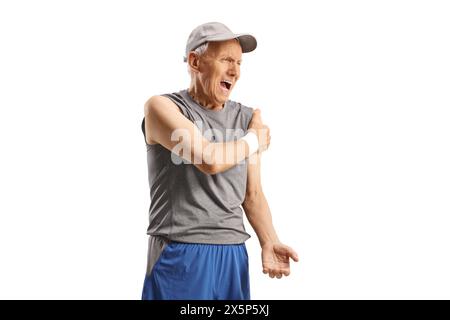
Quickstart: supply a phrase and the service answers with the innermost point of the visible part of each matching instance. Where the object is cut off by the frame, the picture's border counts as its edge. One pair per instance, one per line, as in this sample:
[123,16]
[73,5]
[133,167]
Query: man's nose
[233,69]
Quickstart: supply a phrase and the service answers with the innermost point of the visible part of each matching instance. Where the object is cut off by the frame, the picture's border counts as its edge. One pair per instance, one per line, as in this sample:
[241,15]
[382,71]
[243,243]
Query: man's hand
[275,259]
[261,130]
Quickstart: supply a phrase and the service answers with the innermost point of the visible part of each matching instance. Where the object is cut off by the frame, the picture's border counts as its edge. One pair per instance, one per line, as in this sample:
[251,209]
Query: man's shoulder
[168,97]
[159,102]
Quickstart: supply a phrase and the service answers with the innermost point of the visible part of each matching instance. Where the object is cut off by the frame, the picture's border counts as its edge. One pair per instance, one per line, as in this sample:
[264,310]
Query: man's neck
[203,99]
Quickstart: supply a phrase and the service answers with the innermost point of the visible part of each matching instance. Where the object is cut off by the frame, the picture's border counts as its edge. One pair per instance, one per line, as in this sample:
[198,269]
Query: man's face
[220,69]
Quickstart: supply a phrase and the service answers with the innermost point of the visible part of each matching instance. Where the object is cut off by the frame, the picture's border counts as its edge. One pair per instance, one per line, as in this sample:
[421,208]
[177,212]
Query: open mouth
[225,84]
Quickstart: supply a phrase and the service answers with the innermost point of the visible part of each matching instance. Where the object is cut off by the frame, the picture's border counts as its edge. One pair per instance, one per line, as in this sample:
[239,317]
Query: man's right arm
[166,125]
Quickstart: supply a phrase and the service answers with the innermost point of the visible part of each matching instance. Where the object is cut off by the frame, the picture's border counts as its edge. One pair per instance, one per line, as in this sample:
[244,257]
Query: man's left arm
[275,255]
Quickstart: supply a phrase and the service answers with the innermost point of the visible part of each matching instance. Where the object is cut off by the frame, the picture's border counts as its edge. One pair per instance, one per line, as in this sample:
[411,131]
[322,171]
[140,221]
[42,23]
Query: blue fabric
[187,271]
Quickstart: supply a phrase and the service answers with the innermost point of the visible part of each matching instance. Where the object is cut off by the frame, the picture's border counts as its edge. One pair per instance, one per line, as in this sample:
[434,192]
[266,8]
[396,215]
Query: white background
[356,94]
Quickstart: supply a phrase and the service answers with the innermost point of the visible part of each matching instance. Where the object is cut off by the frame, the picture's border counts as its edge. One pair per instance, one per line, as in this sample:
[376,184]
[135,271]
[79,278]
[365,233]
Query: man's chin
[222,98]
[227,95]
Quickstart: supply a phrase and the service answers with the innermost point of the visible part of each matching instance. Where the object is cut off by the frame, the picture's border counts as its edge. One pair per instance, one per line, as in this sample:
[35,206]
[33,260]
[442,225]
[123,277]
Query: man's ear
[194,61]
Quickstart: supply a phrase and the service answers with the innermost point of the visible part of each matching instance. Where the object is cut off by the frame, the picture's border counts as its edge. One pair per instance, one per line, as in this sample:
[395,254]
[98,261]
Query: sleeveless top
[187,205]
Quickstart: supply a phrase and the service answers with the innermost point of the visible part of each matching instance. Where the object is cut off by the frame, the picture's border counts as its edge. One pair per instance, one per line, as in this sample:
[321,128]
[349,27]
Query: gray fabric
[156,246]
[188,205]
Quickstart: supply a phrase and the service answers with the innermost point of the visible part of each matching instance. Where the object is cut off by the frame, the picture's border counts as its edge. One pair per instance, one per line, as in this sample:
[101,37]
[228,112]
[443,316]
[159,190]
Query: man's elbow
[253,196]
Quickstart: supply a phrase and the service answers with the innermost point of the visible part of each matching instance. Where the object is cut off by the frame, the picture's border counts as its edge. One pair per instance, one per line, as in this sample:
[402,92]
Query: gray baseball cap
[216,31]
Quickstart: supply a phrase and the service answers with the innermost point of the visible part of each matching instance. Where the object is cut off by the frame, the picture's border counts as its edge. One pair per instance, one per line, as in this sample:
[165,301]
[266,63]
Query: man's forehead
[230,47]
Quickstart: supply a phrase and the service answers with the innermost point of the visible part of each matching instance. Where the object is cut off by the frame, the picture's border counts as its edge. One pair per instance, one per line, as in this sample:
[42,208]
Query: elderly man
[203,154]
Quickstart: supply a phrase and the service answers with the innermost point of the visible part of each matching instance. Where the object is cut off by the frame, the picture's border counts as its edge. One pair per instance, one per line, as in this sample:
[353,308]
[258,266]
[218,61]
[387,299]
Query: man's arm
[275,255]
[166,125]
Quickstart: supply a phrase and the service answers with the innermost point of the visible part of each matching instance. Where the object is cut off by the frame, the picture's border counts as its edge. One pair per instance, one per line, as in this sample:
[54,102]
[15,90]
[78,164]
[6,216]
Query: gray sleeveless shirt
[187,205]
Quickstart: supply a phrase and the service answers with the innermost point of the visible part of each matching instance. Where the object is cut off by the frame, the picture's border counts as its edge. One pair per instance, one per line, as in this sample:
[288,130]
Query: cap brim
[247,41]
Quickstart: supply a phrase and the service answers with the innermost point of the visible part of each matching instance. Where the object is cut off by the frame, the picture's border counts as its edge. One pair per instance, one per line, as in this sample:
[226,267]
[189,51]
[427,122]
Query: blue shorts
[187,271]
